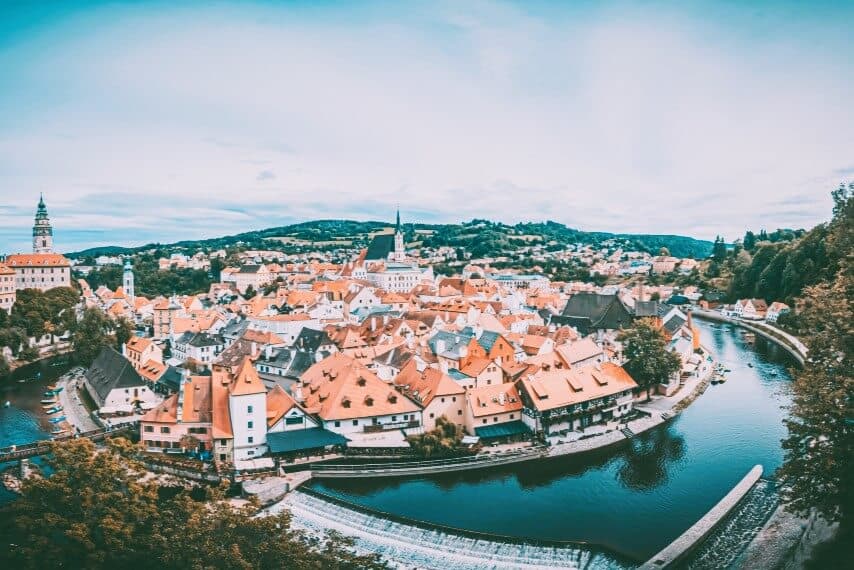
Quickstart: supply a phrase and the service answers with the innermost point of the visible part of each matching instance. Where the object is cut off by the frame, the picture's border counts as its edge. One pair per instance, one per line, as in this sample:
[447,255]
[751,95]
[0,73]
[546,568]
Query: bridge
[42,447]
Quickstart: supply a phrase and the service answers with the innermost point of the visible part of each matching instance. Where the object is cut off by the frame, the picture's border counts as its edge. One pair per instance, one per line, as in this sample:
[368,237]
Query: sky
[161,121]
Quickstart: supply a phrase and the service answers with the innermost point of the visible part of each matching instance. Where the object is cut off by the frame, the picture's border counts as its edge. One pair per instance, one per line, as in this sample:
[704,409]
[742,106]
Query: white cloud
[605,120]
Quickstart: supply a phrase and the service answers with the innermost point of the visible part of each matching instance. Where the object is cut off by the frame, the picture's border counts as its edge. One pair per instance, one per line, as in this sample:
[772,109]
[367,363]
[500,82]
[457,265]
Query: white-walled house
[116,386]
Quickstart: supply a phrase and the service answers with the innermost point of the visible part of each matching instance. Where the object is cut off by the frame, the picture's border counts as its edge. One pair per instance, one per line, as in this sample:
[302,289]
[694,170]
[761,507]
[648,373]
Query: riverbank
[781,338]
[786,541]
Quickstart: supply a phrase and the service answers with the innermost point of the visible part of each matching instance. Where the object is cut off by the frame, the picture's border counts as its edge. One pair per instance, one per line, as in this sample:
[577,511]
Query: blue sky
[147,121]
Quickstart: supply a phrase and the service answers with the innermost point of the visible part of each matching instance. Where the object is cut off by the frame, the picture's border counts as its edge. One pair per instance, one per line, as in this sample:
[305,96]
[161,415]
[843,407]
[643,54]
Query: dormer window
[361,381]
[392,398]
[345,403]
[369,401]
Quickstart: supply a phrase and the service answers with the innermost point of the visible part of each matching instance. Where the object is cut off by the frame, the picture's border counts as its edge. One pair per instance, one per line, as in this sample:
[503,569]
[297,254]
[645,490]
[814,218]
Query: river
[24,420]
[634,497]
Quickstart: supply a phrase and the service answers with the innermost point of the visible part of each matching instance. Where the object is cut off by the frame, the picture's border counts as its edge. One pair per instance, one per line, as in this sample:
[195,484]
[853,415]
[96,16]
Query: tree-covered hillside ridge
[781,265]
[479,237]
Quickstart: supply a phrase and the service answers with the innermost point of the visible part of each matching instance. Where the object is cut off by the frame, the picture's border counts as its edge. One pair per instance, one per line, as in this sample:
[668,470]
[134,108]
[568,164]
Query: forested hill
[479,237]
[778,266]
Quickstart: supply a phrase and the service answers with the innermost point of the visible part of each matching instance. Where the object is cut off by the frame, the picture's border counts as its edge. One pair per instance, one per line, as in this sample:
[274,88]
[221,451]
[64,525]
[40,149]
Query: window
[250,425]
[394,418]
[149,429]
[250,439]
[432,416]
[459,412]
[443,400]
[495,419]
[484,420]
[248,409]
[337,424]
[512,416]
[294,421]
[453,399]
[355,422]
[164,429]
[251,451]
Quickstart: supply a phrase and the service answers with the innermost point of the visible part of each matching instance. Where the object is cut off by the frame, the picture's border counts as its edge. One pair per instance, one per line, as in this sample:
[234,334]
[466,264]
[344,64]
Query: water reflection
[645,465]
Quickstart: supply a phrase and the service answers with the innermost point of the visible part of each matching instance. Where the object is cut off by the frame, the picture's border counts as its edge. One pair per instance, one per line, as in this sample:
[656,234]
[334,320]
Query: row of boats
[52,407]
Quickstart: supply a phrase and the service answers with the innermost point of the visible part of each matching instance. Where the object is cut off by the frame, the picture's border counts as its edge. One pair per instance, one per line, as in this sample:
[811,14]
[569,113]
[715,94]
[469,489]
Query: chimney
[440,346]
[296,392]
[268,351]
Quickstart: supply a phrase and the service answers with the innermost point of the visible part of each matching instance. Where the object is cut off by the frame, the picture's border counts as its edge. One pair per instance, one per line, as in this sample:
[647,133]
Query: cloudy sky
[155,122]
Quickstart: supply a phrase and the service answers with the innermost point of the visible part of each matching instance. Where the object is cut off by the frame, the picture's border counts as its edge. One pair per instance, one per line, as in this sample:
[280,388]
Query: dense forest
[479,237]
[819,450]
[778,266]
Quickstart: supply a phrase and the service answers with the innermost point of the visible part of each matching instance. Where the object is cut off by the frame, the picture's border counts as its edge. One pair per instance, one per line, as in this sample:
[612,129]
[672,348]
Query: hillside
[479,237]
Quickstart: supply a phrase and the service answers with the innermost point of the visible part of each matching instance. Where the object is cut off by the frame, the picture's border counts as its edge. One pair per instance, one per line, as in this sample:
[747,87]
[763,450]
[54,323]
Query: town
[292,358]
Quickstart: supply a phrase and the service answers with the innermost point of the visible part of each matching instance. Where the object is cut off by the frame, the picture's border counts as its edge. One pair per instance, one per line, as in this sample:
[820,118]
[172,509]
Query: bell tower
[127,280]
[42,230]
[399,253]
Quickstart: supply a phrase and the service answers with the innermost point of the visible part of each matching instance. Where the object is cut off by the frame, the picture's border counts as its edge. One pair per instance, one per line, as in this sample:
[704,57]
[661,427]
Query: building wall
[473,422]
[356,425]
[154,437]
[249,442]
[452,407]
[7,290]
[42,278]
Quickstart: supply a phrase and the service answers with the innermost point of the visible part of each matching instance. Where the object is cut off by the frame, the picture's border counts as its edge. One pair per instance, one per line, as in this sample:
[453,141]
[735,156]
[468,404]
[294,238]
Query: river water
[634,497]
[24,421]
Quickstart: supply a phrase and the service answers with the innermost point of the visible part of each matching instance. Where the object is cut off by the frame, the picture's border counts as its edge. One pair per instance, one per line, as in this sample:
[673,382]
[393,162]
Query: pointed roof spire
[397,224]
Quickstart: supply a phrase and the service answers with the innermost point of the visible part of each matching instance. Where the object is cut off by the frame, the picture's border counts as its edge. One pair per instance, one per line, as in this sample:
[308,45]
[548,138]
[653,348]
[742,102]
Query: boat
[49,401]
[58,432]
[48,405]
[7,404]
[54,410]
[750,364]
[57,420]
[55,388]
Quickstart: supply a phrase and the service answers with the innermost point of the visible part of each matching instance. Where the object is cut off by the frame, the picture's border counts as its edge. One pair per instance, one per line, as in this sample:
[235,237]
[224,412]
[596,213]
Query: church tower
[42,230]
[399,253]
[127,280]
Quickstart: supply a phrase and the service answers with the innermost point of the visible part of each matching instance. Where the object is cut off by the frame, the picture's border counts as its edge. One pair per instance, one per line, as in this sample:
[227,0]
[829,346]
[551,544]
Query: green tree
[249,293]
[749,240]
[648,360]
[123,331]
[91,335]
[719,250]
[97,511]
[442,441]
[5,368]
[664,252]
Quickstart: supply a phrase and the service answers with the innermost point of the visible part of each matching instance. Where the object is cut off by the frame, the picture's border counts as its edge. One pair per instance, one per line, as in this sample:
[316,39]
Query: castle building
[43,269]
[7,287]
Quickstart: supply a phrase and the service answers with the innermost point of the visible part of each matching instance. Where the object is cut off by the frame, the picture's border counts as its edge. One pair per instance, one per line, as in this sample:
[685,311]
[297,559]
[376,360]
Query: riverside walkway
[403,469]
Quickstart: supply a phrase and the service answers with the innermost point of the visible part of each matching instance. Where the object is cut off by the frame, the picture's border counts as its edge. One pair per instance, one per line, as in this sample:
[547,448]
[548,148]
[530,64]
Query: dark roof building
[590,312]
[380,248]
[110,371]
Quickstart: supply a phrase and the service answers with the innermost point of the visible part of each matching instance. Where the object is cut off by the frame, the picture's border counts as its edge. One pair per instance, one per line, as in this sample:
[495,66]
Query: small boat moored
[57,420]
[49,402]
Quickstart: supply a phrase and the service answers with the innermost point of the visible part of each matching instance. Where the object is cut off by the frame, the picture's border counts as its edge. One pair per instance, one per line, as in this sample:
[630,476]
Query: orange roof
[279,403]
[165,413]
[495,399]
[152,370]
[6,270]
[221,421]
[425,385]
[261,337]
[560,388]
[37,259]
[474,365]
[247,381]
[338,387]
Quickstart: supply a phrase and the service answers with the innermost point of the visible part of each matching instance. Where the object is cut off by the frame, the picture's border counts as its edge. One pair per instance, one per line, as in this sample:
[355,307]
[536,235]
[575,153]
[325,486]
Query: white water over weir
[420,546]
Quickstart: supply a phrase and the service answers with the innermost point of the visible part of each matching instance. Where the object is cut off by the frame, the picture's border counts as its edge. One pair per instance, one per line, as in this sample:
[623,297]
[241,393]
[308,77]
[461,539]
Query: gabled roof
[380,247]
[593,311]
[425,385]
[109,371]
[560,388]
[338,387]
[246,381]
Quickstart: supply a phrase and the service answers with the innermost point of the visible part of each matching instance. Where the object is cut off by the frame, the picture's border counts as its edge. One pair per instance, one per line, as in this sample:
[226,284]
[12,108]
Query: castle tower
[127,280]
[42,230]
[399,253]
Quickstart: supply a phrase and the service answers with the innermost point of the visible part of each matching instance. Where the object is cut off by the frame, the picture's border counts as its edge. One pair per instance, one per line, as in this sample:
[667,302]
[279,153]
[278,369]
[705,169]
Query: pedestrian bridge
[42,447]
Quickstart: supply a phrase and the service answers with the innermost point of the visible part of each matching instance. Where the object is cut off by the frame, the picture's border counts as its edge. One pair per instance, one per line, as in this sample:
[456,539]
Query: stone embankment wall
[787,342]
[679,548]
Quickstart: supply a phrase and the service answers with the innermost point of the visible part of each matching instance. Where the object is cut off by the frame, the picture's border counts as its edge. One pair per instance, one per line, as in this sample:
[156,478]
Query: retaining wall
[689,539]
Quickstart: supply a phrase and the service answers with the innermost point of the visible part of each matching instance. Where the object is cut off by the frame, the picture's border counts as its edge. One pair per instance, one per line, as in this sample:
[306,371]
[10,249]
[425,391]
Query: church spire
[397,224]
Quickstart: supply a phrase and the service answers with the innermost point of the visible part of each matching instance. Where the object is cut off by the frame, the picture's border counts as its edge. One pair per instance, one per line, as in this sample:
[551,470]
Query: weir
[418,544]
